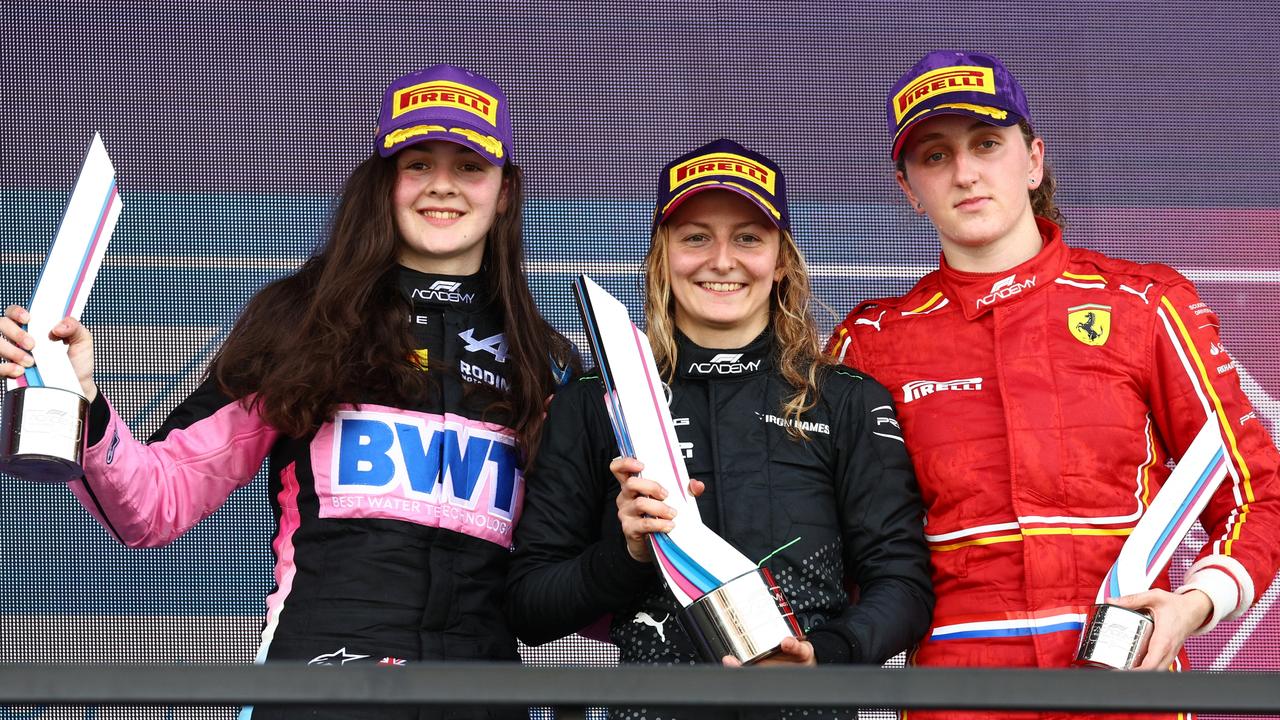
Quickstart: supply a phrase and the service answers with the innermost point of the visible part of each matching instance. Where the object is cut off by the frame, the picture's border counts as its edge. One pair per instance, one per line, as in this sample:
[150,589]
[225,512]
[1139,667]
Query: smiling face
[722,261]
[973,180]
[445,199]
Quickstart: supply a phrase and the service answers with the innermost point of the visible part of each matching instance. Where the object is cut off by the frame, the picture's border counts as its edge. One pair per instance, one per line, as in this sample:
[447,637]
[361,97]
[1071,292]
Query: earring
[1031,181]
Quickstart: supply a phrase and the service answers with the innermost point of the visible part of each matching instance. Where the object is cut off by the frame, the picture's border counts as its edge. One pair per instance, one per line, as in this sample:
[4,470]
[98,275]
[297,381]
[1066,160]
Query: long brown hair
[341,321]
[794,330]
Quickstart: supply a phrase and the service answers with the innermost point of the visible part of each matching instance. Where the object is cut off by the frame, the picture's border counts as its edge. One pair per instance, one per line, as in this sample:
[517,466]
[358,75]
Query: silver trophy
[1114,637]
[747,618]
[42,434]
[42,416]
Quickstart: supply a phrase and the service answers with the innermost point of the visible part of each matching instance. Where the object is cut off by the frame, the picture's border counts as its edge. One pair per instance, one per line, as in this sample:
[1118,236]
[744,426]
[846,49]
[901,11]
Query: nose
[722,257]
[965,167]
[442,182]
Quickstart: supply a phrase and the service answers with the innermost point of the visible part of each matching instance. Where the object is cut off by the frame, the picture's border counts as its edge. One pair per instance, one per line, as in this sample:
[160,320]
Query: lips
[972,203]
[440,216]
[721,286]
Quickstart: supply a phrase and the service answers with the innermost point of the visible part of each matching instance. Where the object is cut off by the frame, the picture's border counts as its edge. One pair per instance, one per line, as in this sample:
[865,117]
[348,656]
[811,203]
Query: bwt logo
[427,461]
[443,291]
[724,364]
[917,389]
[1006,288]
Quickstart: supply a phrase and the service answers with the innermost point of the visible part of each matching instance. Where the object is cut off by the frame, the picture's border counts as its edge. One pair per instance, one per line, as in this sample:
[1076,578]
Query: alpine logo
[495,345]
[917,389]
[724,364]
[1006,288]
[443,291]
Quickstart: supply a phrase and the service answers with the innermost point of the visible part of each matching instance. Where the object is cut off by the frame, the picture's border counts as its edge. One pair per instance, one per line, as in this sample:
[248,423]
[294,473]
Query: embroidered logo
[917,389]
[1090,324]
[1006,288]
[337,657]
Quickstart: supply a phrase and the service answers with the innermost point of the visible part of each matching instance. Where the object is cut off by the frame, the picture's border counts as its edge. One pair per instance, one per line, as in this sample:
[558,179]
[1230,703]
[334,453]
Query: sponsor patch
[1090,324]
[495,345]
[724,364]
[917,389]
[805,425]
[1006,288]
[442,471]
[958,78]
[443,93]
[337,657]
[723,164]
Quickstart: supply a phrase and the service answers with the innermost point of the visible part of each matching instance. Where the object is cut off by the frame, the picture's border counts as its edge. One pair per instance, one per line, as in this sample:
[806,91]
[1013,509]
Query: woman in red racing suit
[1042,389]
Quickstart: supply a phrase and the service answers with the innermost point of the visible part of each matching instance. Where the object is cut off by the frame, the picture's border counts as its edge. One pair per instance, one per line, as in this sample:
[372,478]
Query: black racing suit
[847,496]
[393,520]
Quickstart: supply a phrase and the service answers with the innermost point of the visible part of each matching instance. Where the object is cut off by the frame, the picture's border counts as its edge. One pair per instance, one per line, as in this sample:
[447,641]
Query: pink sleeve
[148,495]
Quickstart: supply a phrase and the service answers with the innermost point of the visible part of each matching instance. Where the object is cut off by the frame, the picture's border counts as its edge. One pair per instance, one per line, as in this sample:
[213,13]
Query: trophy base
[42,434]
[1113,637]
[746,618]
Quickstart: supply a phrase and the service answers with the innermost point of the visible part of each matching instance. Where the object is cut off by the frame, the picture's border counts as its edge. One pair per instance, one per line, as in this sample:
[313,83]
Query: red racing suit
[1040,406]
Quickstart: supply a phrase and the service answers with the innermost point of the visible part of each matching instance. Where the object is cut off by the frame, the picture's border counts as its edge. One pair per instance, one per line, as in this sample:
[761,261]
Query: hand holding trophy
[50,383]
[1117,635]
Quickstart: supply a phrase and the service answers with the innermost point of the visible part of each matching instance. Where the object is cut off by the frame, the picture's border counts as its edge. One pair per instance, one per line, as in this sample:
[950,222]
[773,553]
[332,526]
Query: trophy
[1116,637]
[42,414]
[731,607]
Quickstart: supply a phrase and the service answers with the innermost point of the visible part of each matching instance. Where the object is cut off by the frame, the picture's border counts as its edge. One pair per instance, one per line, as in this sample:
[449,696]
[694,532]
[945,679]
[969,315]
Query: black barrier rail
[496,684]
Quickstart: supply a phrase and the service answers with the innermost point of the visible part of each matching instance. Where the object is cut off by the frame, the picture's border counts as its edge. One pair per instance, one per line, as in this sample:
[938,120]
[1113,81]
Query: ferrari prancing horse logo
[1090,324]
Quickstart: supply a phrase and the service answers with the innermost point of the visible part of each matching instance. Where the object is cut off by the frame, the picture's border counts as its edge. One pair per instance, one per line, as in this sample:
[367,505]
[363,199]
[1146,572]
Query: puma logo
[1142,294]
[645,618]
[873,323]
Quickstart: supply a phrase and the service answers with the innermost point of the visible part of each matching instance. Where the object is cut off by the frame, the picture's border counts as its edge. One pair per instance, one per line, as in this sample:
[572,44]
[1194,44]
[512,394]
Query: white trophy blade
[1170,516]
[72,266]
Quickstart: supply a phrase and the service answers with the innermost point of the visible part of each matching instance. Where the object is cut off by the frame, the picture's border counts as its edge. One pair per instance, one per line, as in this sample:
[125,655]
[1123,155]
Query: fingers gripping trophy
[45,404]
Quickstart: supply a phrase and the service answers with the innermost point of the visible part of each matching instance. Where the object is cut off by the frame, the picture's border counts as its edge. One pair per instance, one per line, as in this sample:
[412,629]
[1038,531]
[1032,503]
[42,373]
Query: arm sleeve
[571,564]
[147,494]
[1194,379]
[882,524]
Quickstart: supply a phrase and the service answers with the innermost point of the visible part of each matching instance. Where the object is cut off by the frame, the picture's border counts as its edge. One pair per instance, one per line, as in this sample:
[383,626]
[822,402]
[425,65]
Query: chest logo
[917,389]
[495,345]
[1090,324]
[1006,288]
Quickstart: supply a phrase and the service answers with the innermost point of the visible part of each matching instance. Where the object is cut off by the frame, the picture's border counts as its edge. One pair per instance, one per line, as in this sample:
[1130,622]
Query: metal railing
[469,684]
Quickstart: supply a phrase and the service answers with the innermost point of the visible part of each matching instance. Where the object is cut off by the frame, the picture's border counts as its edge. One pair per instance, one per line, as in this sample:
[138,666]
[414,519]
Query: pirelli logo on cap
[723,164]
[442,93]
[960,78]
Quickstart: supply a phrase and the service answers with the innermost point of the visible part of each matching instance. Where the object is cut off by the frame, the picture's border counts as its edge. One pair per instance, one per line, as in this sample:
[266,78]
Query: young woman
[800,461]
[1042,389]
[396,382]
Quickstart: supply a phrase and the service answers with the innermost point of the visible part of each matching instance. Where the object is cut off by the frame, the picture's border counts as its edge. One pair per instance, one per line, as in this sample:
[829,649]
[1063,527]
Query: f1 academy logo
[724,364]
[443,291]
[917,389]
[1006,288]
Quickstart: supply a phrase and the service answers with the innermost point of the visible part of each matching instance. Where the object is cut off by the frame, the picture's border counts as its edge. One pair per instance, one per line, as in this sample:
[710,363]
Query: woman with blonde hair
[799,461]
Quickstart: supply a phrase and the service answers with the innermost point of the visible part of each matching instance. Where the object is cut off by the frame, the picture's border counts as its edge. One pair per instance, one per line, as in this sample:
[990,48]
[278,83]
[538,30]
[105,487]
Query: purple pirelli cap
[723,165]
[445,102]
[954,82]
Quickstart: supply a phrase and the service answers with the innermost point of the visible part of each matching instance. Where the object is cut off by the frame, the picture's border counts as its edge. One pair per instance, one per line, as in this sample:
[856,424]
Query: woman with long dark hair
[798,461]
[397,384]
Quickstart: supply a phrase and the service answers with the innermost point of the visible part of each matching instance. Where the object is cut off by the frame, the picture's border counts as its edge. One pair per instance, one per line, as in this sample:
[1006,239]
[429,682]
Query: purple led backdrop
[232,128]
